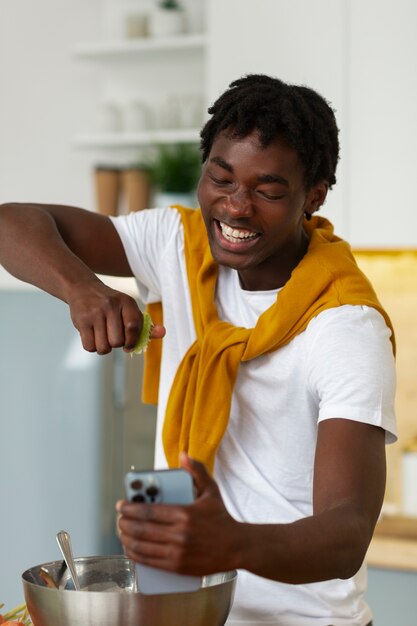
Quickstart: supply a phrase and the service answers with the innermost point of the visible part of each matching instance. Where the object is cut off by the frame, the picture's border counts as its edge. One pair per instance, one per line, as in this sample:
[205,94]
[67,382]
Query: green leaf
[176,168]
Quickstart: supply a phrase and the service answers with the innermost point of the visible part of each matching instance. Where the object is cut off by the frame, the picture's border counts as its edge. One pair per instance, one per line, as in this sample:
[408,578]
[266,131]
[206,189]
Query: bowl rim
[230,575]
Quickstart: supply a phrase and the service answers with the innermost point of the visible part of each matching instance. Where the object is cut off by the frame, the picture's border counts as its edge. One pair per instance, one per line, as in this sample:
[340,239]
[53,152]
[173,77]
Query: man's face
[253,201]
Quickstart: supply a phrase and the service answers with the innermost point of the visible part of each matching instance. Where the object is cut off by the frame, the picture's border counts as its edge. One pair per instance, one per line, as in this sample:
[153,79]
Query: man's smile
[235,235]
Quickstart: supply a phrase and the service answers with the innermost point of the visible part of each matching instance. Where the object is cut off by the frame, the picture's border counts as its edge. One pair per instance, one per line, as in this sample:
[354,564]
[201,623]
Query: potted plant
[166,19]
[175,171]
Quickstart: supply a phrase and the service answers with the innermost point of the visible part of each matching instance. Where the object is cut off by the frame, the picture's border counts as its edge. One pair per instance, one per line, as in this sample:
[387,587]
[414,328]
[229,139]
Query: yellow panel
[393,274]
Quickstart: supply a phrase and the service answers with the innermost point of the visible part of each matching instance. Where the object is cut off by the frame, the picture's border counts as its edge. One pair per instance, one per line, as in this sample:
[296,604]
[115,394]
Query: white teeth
[234,235]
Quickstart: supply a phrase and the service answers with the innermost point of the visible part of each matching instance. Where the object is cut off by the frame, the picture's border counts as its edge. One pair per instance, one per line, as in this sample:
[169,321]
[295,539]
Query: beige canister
[136,186]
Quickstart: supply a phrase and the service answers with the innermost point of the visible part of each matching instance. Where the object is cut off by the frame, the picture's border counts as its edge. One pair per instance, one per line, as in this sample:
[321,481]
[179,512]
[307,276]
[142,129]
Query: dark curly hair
[274,108]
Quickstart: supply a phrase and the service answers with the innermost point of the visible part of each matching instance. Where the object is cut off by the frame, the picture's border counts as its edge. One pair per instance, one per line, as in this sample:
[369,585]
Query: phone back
[168,487]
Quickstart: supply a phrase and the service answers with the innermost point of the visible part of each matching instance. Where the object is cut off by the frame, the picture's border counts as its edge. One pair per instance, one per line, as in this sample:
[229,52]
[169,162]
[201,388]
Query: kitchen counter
[394,545]
[392,553]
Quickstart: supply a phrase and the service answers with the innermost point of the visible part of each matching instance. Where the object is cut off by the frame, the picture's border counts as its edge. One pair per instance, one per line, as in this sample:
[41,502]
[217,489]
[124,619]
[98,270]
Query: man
[277,377]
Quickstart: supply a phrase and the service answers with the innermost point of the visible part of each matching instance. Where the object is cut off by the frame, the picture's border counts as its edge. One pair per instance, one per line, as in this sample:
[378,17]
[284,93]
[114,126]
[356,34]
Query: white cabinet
[361,57]
[382,123]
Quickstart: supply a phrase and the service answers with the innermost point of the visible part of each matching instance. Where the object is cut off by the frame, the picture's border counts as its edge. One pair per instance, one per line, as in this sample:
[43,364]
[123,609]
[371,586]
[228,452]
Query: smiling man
[277,376]
[253,201]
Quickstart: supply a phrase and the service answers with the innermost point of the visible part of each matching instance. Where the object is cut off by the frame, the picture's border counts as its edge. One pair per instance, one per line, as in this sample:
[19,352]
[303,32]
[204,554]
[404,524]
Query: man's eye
[220,181]
[270,196]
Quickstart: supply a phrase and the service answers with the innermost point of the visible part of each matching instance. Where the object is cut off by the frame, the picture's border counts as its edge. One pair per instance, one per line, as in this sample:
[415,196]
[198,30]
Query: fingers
[162,556]
[87,338]
[108,319]
[145,531]
[132,329]
[103,333]
[94,337]
[116,329]
[156,555]
[154,534]
[131,323]
[158,331]
[148,538]
[146,542]
[155,513]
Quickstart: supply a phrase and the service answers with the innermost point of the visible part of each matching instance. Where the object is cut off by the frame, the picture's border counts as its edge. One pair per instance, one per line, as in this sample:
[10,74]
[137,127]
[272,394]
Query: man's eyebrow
[263,178]
[273,178]
[224,164]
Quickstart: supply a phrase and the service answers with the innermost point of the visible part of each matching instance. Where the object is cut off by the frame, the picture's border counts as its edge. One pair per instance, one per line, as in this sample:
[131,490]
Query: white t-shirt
[341,366]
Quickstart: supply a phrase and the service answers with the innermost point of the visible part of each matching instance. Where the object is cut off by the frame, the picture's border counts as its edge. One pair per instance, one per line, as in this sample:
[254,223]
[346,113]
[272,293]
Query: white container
[190,110]
[109,118]
[168,112]
[409,480]
[137,117]
[165,22]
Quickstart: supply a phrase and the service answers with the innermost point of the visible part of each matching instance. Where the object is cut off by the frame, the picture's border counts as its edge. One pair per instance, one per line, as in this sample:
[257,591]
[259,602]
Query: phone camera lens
[152,491]
[139,497]
[136,484]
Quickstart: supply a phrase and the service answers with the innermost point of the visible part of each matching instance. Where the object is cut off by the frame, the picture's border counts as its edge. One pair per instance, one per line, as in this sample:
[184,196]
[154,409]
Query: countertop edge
[392,553]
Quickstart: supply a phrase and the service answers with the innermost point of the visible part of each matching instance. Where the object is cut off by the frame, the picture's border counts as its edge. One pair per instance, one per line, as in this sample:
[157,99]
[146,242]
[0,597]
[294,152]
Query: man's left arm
[202,538]
[348,491]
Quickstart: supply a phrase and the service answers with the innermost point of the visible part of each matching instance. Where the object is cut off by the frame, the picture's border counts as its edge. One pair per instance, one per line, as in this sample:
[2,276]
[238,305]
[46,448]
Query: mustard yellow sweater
[199,403]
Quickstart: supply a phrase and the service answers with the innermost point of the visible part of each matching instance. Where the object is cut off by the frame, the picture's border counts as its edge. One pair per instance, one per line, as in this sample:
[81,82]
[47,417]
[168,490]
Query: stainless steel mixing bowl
[109,597]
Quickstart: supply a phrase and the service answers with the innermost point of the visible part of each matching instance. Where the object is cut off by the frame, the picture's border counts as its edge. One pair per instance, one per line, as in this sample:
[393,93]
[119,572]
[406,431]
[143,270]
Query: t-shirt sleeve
[146,236]
[351,368]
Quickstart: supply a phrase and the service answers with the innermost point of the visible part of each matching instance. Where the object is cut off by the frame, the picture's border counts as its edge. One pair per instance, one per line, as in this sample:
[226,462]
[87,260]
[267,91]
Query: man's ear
[316,196]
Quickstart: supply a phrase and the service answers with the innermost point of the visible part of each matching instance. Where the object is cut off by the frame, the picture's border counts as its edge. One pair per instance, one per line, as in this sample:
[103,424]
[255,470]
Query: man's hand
[61,249]
[106,318]
[196,539]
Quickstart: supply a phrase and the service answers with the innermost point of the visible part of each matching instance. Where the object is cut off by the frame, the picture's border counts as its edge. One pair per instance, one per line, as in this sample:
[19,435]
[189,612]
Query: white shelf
[125,140]
[101,49]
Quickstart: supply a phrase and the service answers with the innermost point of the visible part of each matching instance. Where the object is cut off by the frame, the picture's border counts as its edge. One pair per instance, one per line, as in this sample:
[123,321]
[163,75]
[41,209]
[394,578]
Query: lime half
[145,335]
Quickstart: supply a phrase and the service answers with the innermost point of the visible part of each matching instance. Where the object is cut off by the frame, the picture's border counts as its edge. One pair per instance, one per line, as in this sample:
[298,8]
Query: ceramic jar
[165,22]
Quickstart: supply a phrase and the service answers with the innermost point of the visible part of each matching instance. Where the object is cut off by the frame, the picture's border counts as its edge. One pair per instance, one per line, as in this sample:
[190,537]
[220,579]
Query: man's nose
[240,203]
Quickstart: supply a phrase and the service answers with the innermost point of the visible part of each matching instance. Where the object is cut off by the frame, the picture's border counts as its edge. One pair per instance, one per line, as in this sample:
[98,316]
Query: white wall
[361,56]
[382,110]
[43,94]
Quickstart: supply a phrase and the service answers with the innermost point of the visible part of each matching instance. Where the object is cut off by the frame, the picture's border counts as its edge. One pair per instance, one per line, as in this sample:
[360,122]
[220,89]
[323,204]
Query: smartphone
[171,486]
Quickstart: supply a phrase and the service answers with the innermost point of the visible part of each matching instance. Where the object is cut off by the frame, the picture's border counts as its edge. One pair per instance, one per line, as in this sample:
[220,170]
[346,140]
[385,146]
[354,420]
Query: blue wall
[53,455]
[392,596]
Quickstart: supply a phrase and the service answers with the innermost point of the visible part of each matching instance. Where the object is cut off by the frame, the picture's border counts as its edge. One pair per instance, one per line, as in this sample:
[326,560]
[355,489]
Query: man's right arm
[59,249]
